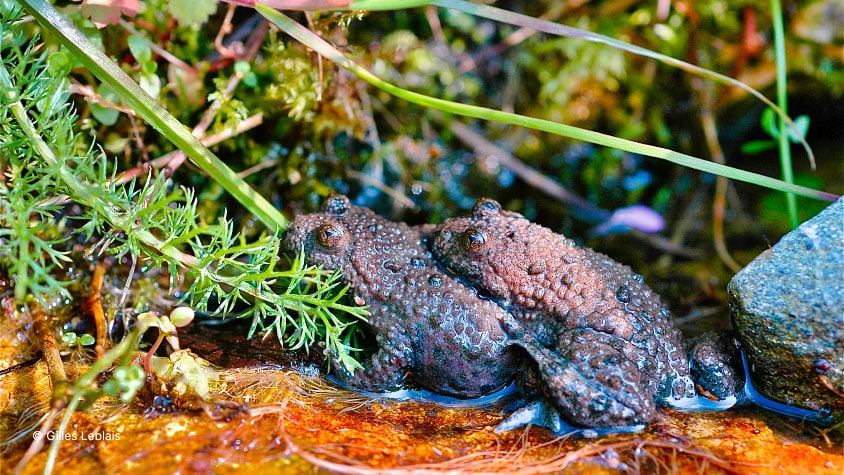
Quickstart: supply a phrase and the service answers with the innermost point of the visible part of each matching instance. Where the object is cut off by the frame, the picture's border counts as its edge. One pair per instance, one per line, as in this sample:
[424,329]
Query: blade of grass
[109,72]
[386,4]
[316,5]
[782,101]
[313,41]
[545,26]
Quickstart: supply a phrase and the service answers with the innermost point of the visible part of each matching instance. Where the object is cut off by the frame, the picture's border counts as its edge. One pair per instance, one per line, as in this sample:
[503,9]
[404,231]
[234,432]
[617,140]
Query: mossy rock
[788,309]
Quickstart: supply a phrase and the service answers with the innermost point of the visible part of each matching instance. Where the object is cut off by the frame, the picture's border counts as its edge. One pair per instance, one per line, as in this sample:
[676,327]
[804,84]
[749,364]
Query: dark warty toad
[429,329]
[605,349]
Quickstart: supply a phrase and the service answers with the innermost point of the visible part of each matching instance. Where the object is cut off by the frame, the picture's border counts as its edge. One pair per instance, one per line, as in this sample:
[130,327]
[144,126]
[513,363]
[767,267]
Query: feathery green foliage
[28,239]
[156,222]
[304,298]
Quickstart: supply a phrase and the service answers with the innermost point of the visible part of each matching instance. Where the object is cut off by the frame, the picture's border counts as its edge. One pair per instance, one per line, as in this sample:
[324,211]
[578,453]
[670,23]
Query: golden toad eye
[473,241]
[330,235]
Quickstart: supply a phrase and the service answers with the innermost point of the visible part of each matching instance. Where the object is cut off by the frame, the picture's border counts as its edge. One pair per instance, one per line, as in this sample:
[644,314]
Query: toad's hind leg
[591,383]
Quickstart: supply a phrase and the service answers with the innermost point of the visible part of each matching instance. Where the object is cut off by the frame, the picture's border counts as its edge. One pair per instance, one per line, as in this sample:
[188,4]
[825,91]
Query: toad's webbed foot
[541,413]
[591,383]
[538,413]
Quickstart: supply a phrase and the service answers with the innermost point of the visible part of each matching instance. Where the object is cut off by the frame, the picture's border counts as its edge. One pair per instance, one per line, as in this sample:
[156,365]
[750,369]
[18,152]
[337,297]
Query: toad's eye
[473,241]
[330,235]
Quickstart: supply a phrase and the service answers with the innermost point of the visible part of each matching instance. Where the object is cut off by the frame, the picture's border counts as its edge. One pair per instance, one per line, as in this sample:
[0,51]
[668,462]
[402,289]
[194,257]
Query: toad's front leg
[386,369]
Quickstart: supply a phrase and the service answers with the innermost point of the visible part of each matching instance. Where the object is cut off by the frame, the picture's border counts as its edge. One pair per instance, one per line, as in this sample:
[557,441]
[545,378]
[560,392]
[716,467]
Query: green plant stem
[59,435]
[545,26]
[106,70]
[538,24]
[316,5]
[22,277]
[313,41]
[782,102]
[386,4]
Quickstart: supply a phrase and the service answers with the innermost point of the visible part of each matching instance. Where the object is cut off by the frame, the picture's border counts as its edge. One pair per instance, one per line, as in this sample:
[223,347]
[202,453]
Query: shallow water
[424,396]
[752,395]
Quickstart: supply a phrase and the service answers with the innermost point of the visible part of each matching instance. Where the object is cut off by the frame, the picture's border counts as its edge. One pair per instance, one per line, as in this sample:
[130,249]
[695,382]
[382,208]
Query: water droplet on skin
[435,281]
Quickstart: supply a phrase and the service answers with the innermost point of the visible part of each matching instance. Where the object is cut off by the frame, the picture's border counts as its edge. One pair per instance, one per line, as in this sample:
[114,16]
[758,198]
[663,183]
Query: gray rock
[788,308]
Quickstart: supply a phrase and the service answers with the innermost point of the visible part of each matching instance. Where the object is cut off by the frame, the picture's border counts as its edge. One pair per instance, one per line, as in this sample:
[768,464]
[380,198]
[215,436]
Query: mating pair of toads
[465,307]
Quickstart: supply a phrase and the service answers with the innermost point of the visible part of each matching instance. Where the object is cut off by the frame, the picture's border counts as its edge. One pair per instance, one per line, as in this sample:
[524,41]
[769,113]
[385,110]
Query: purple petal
[632,217]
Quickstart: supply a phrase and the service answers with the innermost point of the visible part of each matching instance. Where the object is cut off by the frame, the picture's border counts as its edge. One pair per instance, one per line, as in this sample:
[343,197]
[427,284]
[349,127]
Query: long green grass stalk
[545,26]
[782,102]
[313,41]
[538,24]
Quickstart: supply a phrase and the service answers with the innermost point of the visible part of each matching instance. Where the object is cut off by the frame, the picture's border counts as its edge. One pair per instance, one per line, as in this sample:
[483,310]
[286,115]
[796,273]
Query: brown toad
[605,347]
[427,326]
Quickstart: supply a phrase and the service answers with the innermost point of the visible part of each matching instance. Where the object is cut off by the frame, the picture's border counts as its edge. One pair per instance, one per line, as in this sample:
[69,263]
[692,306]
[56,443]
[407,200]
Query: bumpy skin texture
[604,345]
[426,324]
